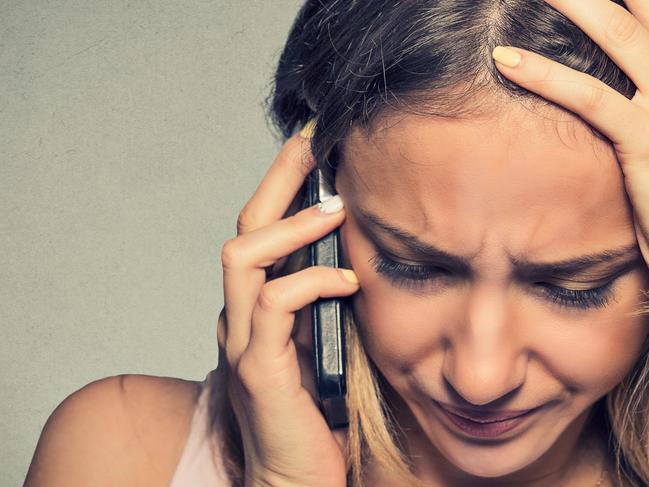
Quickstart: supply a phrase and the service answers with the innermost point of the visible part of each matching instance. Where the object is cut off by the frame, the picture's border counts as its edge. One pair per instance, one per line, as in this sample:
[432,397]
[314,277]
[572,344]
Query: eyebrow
[523,269]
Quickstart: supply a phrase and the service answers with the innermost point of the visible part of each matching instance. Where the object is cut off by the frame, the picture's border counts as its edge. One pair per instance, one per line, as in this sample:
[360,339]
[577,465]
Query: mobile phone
[327,319]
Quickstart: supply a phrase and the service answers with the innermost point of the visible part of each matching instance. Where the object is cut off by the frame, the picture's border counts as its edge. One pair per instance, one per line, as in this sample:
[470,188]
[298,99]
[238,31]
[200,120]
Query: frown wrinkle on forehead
[592,265]
[513,183]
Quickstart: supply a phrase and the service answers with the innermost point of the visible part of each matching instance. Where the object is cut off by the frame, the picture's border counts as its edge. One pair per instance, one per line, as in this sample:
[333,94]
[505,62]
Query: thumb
[341,435]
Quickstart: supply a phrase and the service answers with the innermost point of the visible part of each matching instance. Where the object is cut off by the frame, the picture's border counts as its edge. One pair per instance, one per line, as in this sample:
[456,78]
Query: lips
[484,424]
[484,416]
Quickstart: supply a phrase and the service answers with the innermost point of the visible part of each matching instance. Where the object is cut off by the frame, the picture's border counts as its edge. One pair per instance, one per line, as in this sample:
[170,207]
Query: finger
[307,366]
[278,269]
[640,10]
[341,435]
[279,186]
[264,246]
[610,112]
[271,348]
[269,362]
[245,257]
[220,330]
[616,31]
[274,314]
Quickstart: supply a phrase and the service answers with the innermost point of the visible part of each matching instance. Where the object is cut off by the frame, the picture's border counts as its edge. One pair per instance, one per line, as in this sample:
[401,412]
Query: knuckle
[622,27]
[269,297]
[593,98]
[247,371]
[246,221]
[231,254]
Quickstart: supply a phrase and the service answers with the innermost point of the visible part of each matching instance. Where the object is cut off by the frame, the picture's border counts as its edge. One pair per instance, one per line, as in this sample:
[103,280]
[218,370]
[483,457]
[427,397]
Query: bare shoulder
[125,430]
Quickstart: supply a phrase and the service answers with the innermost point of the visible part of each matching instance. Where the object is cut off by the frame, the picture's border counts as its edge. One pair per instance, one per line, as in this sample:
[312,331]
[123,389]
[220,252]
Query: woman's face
[482,209]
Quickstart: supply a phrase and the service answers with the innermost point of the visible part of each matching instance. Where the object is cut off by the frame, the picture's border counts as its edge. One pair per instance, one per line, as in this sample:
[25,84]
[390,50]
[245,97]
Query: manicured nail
[350,275]
[332,205]
[505,56]
[308,129]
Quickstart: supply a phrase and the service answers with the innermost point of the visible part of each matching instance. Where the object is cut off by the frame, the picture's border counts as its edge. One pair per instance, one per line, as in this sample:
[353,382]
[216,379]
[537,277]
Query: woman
[495,216]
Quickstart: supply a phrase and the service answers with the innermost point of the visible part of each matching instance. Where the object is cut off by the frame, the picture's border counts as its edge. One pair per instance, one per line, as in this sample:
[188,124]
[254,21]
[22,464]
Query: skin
[486,340]
[519,183]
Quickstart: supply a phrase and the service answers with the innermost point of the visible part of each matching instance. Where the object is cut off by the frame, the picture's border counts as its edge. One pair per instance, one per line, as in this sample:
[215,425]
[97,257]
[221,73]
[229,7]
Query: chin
[497,459]
[495,467]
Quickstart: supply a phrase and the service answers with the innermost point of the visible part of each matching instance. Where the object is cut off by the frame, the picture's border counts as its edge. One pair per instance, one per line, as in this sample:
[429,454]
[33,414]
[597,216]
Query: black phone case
[327,320]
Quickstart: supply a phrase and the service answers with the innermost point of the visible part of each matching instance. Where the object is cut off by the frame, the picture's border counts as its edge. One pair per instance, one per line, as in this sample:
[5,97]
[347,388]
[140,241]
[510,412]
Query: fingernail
[308,129]
[332,205]
[350,275]
[506,56]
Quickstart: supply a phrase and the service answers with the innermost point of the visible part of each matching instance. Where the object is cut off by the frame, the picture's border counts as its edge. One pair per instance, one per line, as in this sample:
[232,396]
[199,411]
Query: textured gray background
[131,133]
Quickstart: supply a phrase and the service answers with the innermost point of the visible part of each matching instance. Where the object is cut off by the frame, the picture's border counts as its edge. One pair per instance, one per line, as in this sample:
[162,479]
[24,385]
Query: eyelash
[415,277]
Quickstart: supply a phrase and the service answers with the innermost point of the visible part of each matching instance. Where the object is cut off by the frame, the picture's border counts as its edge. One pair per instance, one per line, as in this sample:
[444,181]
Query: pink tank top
[200,464]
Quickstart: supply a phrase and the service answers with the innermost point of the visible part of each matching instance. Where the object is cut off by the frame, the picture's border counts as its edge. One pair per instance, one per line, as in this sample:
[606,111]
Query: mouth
[485,424]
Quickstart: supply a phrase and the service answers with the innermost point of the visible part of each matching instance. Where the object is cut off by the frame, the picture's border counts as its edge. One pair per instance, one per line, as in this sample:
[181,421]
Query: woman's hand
[286,439]
[624,37]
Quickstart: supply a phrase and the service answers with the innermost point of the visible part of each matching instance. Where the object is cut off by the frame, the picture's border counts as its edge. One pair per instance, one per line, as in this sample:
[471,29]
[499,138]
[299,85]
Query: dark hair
[346,62]
[349,60]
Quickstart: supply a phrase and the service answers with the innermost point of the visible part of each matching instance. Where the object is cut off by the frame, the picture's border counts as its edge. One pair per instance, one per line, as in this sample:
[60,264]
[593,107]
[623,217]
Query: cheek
[593,351]
[397,328]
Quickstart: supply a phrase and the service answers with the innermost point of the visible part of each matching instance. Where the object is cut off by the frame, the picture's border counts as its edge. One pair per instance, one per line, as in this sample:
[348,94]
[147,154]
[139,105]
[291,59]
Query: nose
[485,358]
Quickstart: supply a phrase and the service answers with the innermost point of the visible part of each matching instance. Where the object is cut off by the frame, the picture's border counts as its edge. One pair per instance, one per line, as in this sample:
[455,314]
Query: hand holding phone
[286,440]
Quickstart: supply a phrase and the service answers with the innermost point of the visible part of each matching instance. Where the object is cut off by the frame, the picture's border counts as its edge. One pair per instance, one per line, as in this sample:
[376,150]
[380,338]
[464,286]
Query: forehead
[528,180]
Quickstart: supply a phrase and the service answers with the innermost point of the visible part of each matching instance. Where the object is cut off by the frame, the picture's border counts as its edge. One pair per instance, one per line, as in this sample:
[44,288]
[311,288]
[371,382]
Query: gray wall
[131,133]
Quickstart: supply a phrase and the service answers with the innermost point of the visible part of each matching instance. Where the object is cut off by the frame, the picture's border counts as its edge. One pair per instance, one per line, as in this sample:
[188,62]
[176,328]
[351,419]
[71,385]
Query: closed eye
[416,278]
